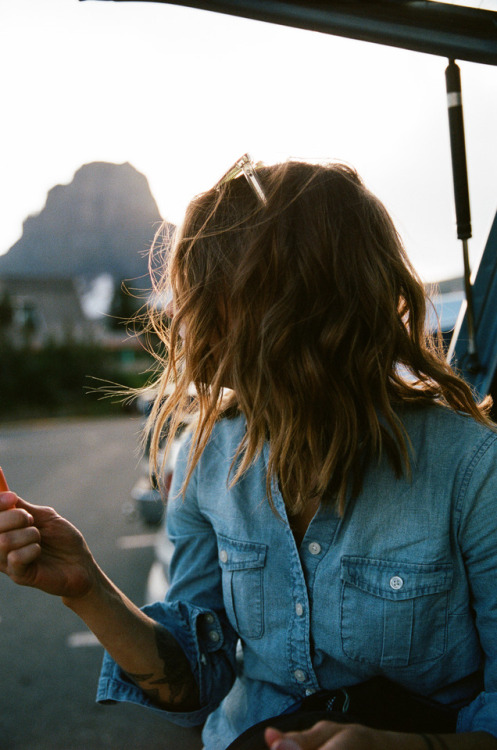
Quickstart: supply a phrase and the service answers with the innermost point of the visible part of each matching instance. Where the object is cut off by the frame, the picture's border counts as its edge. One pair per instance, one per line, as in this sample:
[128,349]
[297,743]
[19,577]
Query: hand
[41,549]
[329,735]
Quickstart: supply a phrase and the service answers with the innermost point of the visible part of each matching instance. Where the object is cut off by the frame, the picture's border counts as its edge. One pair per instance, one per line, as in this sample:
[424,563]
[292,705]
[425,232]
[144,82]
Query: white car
[149,492]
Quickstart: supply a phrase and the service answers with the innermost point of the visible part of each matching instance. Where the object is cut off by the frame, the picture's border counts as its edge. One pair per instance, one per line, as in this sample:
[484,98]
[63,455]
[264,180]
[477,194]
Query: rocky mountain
[103,222]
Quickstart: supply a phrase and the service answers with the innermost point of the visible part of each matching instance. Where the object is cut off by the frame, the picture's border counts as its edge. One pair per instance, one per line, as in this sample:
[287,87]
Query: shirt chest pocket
[242,565]
[394,614]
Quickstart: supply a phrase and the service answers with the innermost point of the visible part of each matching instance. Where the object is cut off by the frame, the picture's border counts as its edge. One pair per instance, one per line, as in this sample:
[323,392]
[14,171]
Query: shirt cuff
[209,645]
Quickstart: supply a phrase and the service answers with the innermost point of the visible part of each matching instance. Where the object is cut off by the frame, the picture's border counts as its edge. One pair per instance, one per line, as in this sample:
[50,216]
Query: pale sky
[181,94]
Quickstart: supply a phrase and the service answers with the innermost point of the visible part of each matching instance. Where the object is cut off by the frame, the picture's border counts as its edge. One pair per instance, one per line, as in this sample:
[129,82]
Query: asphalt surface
[49,663]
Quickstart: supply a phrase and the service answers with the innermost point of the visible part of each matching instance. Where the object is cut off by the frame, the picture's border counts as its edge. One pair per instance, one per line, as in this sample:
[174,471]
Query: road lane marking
[136,541]
[82,639]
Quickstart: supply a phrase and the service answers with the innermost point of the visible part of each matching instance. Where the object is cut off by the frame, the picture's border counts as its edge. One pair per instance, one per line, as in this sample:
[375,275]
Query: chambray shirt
[403,585]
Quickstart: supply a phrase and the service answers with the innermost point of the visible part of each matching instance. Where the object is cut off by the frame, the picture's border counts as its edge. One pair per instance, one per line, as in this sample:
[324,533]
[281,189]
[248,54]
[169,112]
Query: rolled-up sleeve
[193,611]
[478,540]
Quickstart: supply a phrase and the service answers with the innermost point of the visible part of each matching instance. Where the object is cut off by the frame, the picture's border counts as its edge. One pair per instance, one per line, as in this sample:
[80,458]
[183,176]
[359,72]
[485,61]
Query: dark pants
[378,703]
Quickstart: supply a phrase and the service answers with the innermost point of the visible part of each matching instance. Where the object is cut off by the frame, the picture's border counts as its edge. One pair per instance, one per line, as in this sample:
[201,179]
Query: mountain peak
[102,222]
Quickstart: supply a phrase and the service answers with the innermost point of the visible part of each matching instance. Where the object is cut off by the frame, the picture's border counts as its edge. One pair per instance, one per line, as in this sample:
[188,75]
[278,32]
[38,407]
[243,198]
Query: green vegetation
[68,378]
[6,312]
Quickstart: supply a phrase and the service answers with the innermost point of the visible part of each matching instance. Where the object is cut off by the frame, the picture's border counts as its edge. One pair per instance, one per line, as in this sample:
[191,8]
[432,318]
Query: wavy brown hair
[308,310]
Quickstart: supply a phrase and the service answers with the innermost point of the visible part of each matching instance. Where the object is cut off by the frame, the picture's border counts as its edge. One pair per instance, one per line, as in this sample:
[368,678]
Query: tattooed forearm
[173,686]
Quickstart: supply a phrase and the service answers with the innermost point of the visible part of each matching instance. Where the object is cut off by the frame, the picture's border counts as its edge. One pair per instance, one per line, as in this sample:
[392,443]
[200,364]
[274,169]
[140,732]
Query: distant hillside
[102,222]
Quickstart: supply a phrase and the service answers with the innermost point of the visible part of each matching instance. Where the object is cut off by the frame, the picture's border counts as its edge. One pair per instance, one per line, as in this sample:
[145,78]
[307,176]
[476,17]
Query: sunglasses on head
[245,165]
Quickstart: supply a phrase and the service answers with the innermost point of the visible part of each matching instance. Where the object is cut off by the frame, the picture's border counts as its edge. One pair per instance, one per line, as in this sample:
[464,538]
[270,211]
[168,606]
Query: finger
[7,499]
[39,512]
[276,741]
[19,560]
[18,538]
[316,736]
[285,744]
[25,505]
[15,518]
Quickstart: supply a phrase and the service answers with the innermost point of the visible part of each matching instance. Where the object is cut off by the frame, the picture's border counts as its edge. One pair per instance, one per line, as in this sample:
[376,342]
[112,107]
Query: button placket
[311,555]
[299,662]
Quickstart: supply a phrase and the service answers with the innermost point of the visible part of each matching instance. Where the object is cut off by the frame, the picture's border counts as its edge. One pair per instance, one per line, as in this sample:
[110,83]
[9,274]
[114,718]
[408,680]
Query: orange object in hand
[4,487]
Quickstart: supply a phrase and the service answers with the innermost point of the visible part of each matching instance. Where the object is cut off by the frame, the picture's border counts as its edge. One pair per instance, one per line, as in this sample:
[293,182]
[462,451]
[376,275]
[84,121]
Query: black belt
[377,703]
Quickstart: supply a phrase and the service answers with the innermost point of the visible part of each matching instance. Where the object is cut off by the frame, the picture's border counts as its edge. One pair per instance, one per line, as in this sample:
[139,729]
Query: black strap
[383,704]
[377,703]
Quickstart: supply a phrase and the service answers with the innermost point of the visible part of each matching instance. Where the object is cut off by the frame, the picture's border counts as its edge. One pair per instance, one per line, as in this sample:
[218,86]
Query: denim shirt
[403,585]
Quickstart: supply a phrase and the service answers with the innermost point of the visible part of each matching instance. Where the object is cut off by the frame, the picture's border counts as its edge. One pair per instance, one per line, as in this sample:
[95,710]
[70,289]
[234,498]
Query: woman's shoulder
[441,429]
[224,438]
[227,433]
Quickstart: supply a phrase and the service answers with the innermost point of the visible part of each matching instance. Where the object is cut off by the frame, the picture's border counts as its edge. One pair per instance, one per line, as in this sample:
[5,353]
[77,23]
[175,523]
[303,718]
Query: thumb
[8,500]
[40,513]
[20,503]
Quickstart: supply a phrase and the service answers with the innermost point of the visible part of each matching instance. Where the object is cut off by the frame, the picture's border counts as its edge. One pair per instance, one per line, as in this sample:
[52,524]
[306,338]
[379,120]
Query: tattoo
[181,692]
[140,677]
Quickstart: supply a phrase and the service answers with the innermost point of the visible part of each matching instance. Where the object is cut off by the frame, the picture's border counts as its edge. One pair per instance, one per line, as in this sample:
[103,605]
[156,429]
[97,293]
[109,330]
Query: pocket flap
[391,579]
[238,555]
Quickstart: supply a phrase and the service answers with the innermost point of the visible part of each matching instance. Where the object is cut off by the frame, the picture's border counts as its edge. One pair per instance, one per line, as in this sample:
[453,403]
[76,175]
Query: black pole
[458,150]
[461,195]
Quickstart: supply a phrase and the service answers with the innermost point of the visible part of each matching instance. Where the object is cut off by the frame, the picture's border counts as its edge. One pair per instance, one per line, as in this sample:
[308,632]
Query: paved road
[48,663]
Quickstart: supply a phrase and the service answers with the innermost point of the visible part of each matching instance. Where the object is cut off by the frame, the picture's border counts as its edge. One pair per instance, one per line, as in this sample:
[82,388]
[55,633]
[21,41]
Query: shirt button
[314,548]
[214,636]
[396,583]
[223,556]
[309,691]
[300,675]
[209,618]
[299,609]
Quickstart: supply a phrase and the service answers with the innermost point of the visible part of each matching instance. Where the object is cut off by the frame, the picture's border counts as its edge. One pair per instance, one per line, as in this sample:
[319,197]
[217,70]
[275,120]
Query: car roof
[457,31]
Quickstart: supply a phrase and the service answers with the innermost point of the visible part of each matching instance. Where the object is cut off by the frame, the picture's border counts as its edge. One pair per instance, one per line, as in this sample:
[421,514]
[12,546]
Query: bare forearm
[145,650]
